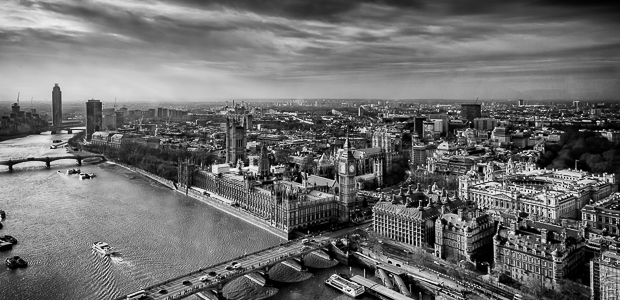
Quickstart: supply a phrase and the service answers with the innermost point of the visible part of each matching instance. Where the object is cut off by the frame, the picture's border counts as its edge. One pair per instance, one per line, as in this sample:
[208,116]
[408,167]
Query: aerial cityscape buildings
[470,195]
[94,117]
[56,106]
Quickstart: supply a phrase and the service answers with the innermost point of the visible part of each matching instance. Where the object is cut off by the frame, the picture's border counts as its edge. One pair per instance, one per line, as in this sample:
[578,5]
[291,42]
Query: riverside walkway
[217,275]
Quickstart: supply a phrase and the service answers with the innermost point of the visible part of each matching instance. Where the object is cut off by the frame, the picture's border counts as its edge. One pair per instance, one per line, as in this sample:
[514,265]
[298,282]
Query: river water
[159,233]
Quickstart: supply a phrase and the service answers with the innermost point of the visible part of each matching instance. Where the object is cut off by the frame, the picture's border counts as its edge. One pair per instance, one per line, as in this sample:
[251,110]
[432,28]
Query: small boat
[86,176]
[5,245]
[103,248]
[2,214]
[16,262]
[348,287]
[8,238]
[73,171]
[57,141]
[1,225]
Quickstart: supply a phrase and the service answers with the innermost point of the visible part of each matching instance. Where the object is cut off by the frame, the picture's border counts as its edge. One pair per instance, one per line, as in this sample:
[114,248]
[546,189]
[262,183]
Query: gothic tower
[347,189]
[263,164]
[235,140]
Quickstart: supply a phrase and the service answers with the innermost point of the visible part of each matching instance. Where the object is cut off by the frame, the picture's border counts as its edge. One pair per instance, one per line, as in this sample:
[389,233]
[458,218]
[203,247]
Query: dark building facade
[236,140]
[56,106]
[471,111]
[94,117]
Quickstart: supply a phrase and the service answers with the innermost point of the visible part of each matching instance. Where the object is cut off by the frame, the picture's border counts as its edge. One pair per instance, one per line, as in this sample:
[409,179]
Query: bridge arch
[48,160]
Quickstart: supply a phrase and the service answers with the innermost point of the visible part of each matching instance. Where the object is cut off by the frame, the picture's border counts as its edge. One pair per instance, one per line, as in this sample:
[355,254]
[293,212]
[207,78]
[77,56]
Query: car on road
[187,282]
[212,273]
[204,278]
[163,291]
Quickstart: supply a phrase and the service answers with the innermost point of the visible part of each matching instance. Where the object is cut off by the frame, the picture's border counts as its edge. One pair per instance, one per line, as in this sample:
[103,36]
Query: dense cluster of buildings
[20,122]
[531,224]
[284,203]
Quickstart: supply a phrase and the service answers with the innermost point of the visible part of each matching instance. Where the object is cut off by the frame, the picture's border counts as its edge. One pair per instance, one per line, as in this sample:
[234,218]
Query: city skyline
[194,50]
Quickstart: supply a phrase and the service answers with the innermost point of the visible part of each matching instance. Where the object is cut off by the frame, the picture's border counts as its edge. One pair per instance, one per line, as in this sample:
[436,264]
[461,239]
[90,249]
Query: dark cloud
[326,10]
[333,10]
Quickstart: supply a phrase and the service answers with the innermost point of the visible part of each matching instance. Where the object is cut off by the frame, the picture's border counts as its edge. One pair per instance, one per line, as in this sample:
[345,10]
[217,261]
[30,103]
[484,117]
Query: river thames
[158,232]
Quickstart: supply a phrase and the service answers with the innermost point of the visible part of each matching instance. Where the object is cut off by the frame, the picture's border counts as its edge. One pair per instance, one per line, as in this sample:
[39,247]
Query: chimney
[543,235]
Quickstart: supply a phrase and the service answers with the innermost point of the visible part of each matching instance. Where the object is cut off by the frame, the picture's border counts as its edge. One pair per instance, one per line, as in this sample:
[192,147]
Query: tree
[283,157]
[533,288]
[307,164]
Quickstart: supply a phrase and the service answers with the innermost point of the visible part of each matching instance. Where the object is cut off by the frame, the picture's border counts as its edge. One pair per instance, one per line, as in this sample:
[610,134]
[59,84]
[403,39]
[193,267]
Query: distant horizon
[162,50]
[26,103]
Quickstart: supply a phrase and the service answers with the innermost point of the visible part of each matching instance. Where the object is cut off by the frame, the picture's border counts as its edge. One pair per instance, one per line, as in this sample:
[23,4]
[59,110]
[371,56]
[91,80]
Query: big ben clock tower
[347,192]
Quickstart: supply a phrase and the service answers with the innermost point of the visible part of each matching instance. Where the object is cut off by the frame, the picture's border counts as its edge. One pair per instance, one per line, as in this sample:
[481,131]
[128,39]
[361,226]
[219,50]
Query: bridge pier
[220,292]
[69,131]
[53,131]
[79,161]
[266,274]
[10,168]
[47,163]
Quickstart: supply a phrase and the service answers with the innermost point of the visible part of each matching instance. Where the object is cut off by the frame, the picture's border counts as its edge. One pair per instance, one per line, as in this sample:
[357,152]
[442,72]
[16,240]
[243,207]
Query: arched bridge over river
[47,160]
[219,274]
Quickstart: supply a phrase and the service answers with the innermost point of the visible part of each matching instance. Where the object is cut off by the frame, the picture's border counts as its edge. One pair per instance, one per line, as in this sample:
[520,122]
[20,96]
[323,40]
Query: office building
[603,216]
[548,194]
[94,117]
[410,217]
[537,251]
[471,111]
[418,155]
[56,106]
[605,276]
[109,120]
[486,124]
[466,235]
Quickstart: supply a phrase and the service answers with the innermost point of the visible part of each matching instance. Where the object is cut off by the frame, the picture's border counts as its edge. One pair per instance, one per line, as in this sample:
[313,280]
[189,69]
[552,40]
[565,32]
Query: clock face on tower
[343,168]
[351,168]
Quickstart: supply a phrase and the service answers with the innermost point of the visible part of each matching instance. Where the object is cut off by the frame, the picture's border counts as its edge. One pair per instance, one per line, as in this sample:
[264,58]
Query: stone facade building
[284,204]
[545,194]
[538,252]
[410,217]
[602,217]
[605,276]
[466,235]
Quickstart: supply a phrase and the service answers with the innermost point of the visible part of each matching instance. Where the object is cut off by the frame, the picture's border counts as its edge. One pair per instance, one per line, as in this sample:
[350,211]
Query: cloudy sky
[166,50]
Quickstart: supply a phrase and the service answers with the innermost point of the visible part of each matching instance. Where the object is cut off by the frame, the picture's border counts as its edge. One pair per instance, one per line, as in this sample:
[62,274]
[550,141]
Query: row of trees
[161,162]
[591,151]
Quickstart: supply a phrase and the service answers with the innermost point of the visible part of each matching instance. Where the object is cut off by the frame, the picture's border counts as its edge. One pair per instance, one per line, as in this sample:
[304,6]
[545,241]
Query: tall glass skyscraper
[56,106]
[93,117]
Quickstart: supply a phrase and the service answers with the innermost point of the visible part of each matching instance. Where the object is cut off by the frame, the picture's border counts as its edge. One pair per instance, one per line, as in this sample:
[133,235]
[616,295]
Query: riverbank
[165,182]
[223,205]
[16,136]
[168,183]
